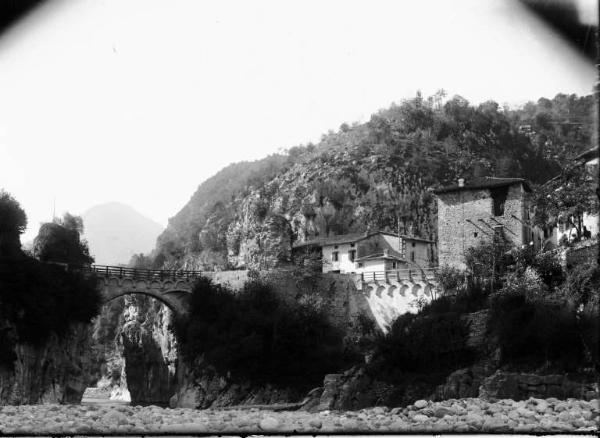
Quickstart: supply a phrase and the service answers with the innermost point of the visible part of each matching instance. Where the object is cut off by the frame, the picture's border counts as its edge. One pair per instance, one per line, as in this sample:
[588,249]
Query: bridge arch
[175,300]
[171,289]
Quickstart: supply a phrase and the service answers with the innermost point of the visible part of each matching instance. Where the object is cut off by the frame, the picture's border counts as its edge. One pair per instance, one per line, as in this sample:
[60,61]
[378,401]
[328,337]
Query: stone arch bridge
[170,287]
[389,294]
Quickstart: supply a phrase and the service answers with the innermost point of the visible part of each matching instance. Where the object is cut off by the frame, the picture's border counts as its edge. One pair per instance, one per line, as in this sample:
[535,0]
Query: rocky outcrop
[149,350]
[520,386]
[200,387]
[56,372]
[356,389]
[259,240]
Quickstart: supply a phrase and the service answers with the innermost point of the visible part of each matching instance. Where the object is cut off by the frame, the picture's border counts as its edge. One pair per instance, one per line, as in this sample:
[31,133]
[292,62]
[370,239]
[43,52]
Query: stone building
[369,252]
[470,213]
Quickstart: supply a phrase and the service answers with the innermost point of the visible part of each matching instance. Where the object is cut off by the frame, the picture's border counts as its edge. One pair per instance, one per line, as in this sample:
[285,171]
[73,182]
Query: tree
[59,241]
[13,222]
[565,198]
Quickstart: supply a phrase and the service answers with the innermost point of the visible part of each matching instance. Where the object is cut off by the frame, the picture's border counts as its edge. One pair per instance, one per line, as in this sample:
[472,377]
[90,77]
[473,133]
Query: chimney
[461,182]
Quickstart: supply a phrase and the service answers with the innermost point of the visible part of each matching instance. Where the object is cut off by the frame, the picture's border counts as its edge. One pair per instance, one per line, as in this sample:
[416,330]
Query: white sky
[139,101]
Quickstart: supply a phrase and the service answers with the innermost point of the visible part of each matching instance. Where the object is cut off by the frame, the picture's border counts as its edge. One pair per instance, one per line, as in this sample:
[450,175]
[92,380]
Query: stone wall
[521,386]
[465,219]
[337,294]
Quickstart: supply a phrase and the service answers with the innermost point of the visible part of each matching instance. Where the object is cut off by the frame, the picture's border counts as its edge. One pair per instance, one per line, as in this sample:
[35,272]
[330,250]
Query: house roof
[353,238]
[380,256]
[486,182]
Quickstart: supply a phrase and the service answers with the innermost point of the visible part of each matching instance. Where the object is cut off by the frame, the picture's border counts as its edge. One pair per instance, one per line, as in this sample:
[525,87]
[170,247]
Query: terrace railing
[400,274]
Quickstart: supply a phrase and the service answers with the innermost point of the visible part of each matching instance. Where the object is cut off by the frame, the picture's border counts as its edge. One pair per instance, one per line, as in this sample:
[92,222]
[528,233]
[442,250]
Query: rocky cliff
[56,372]
[150,351]
[138,350]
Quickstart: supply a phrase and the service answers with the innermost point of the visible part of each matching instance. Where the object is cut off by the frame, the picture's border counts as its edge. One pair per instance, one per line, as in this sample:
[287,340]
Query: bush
[582,284]
[451,279]
[528,284]
[40,299]
[545,263]
[425,344]
[471,297]
[539,332]
[254,336]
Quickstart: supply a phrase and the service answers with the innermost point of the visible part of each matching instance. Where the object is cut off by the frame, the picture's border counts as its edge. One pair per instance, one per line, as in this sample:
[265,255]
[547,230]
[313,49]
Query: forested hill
[375,175]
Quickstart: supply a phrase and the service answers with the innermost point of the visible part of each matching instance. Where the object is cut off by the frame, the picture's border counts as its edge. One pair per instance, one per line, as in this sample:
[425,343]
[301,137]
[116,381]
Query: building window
[499,195]
[394,265]
[334,256]
[475,234]
[352,254]
[413,244]
[352,245]
[412,256]
[360,265]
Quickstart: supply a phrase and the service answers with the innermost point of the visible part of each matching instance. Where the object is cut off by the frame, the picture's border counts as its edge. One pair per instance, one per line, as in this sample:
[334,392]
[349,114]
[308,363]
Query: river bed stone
[464,415]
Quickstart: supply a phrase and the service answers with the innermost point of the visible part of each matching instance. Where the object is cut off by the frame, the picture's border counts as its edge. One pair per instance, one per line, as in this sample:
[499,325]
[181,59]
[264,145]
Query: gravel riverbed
[464,415]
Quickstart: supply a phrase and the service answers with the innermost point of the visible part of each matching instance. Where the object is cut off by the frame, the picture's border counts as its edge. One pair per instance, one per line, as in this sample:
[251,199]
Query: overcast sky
[139,101]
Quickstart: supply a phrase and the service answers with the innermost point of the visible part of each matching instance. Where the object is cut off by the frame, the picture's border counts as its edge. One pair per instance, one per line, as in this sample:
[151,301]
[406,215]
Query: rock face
[200,387]
[149,350]
[56,372]
[356,389]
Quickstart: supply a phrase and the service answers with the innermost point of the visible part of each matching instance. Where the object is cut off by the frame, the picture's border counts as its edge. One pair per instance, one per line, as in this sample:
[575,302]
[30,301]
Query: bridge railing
[400,274]
[142,274]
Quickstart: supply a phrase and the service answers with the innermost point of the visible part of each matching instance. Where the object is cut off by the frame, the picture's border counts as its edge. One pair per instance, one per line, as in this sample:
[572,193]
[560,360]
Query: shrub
[254,336]
[471,297]
[451,279]
[537,332]
[424,343]
[528,283]
[488,260]
[39,299]
[582,284]
[546,264]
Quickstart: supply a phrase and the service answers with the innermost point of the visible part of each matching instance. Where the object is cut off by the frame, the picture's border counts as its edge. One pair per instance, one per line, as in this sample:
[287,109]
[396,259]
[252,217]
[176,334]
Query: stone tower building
[469,214]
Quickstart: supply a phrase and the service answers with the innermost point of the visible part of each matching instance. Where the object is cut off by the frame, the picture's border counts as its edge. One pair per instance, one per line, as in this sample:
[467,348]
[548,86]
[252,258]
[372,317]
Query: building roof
[380,256]
[352,238]
[486,182]
[333,240]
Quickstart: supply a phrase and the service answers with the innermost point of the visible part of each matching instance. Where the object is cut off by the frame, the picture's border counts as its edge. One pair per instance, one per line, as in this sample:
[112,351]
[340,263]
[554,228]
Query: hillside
[115,232]
[375,175]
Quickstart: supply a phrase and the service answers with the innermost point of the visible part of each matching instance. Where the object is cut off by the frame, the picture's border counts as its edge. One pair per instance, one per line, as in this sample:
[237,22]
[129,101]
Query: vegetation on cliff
[38,299]
[254,336]
[374,175]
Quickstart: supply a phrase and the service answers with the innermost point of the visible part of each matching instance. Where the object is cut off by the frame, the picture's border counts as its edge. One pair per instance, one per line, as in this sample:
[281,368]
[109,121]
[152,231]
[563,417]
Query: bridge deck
[134,273]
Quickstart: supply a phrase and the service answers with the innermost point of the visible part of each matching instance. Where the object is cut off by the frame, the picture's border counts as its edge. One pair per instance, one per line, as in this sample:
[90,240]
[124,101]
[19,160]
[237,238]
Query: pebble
[420,404]
[269,424]
[465,415]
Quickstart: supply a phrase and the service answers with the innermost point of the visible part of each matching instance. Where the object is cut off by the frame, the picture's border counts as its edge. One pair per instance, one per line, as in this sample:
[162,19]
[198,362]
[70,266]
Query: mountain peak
[116,231]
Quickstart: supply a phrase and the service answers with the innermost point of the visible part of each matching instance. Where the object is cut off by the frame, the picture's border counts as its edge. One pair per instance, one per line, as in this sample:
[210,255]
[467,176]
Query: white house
[377,251]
